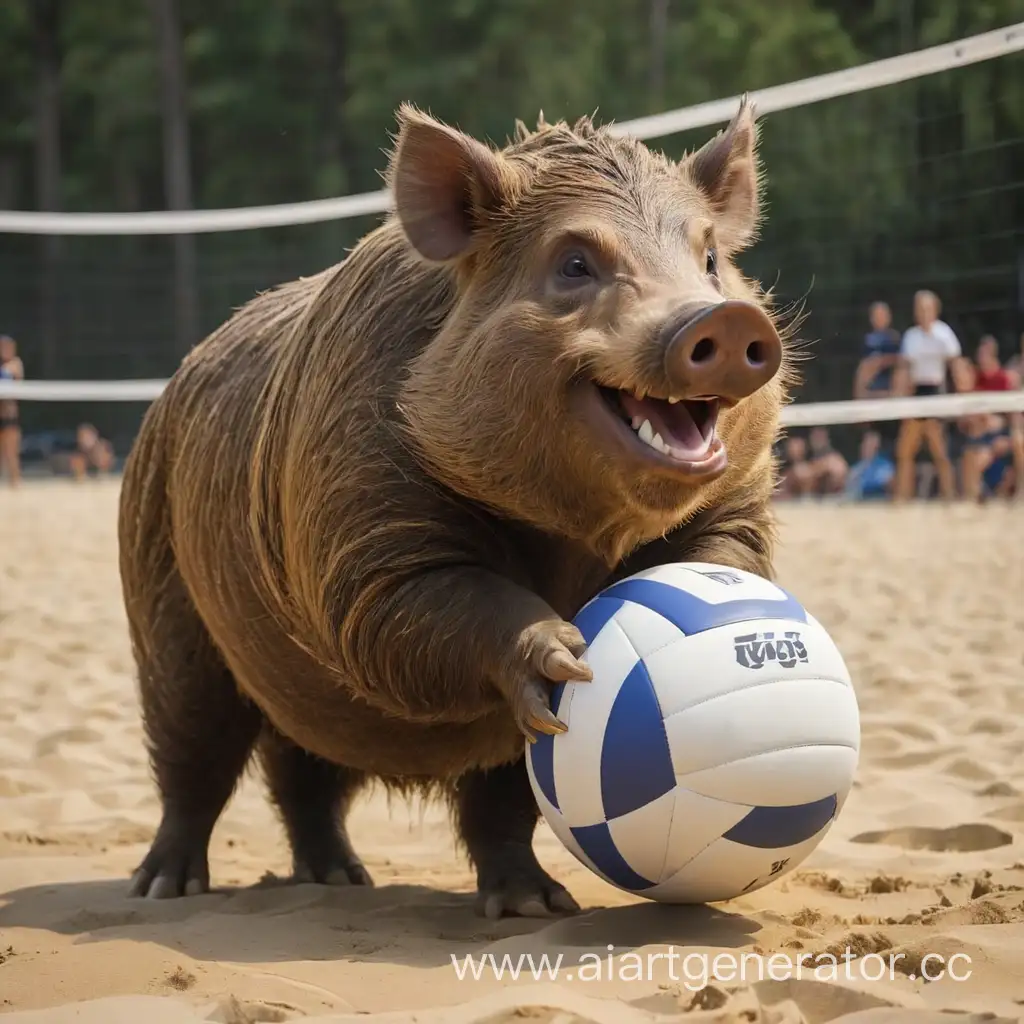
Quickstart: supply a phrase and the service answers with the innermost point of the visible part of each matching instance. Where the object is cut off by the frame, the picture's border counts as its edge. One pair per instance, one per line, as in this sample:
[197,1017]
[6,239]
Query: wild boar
[357,524]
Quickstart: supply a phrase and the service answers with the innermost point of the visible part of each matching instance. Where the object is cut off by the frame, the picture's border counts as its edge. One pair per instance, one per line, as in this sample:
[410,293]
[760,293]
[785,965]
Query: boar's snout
[728,350]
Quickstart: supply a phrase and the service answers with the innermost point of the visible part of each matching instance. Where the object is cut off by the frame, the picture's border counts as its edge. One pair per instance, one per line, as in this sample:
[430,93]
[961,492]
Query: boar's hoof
[347,873]
[512,884]
[176,865]
[552,656]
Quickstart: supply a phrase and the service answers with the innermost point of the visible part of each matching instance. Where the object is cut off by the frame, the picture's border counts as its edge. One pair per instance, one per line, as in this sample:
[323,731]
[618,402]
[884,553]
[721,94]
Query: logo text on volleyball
[723,576]
[777,866]
[755,650]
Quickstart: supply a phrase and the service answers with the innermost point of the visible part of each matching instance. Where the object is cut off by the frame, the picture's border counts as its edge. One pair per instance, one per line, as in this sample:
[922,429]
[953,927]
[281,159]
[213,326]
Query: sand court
[926,859]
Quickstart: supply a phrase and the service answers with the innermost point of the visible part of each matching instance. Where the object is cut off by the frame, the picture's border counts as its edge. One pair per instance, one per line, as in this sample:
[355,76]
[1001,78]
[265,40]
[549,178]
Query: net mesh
[931,194]
[105,308]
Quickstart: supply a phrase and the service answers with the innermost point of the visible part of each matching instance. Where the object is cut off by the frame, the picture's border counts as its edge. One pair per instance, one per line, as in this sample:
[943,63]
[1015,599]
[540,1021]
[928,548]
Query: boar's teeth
[646,434]
[672,401]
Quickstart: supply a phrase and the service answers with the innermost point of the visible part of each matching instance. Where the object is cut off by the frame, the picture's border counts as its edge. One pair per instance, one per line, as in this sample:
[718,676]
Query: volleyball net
[931,196]
[799,414]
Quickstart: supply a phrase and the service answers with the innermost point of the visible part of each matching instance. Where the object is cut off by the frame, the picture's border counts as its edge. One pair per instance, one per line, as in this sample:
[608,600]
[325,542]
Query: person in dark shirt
[879,368]
[876,373]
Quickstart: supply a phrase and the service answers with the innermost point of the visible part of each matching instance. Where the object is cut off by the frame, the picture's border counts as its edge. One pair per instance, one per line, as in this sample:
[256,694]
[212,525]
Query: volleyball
[716,744]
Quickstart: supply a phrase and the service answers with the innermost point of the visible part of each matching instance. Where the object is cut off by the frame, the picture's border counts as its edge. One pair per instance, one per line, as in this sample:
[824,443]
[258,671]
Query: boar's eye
[711,268]
[575,268]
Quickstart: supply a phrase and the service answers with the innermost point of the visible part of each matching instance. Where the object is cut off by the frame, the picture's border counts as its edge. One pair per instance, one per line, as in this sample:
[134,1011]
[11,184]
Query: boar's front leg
[496,814]
[448,647]
[451,644]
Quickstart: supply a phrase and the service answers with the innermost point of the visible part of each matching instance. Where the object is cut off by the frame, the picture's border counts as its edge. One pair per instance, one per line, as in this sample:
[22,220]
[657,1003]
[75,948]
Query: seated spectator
[872,475]
[1001,476]
[1002,469]
[94,452]
[986,436]
[90,451]
[1016,420]
[795,475]
[828,467]
[1004,474]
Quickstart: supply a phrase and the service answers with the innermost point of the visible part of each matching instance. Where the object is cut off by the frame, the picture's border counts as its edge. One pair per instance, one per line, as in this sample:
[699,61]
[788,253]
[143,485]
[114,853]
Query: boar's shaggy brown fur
[355,527]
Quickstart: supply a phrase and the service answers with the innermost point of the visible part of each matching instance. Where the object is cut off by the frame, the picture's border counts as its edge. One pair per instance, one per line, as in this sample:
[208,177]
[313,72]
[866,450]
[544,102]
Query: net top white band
[803,414]
[970,50]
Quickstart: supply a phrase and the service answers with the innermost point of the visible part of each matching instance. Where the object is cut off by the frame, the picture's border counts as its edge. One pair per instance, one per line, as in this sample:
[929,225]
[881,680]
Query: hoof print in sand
[958,839]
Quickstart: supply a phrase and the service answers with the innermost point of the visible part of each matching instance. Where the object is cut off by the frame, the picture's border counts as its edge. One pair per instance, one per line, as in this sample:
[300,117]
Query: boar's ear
[444,183]
[727,171]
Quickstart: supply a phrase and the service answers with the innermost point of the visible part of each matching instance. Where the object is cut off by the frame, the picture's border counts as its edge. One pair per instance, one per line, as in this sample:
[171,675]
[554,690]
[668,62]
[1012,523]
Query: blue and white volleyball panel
[715,745]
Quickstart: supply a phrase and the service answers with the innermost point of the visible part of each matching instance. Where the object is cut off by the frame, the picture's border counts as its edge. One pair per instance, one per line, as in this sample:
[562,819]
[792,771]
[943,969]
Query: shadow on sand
[400,924]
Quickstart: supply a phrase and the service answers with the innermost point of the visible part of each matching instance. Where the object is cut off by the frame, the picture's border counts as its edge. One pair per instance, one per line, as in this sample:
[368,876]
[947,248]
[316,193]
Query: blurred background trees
[124,105]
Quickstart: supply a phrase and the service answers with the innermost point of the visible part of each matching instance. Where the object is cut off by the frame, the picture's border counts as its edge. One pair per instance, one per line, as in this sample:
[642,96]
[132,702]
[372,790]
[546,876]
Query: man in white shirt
[928,350]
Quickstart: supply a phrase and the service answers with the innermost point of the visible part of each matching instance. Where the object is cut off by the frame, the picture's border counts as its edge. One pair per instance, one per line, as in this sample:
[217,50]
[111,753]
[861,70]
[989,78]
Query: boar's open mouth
[682,429]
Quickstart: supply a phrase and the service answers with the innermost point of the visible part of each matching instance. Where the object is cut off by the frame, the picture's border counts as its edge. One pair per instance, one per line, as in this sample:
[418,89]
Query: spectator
[1004,471]
[872,475]
[1016,363]
[990,374]
[1016,421]
[795,475]
[929,350]
[1017,453]
[879,373]
[11,368]
[93,451]
[987,436]
[90,451]
[828,467]
[876,372]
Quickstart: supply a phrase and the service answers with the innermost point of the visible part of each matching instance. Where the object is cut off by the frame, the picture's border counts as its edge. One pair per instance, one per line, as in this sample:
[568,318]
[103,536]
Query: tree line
[120,105]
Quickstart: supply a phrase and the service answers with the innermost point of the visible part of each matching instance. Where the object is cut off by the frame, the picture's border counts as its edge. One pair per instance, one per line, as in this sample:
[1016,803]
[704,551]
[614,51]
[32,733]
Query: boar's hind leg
[496,814]
[201,733]
[313,796]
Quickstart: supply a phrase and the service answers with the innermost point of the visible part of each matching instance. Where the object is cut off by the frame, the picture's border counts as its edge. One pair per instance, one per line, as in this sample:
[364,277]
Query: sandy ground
[927,605]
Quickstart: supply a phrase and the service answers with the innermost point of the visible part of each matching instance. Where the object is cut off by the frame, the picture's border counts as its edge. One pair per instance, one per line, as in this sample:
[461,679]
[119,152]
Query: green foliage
[16,125]
[869,196]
